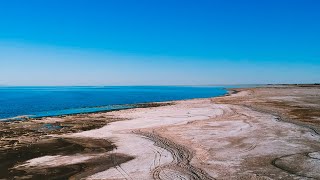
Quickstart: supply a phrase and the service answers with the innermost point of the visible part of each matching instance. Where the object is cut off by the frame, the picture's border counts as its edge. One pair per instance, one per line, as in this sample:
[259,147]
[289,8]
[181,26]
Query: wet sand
[254,133]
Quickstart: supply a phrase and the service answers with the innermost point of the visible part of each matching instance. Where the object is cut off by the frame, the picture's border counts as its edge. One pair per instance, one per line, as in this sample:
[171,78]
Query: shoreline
[203,138]
[138,105]
[133,106]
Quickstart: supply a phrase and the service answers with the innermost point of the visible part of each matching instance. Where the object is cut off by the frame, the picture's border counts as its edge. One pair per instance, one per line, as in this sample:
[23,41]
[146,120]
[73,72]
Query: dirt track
[180,166]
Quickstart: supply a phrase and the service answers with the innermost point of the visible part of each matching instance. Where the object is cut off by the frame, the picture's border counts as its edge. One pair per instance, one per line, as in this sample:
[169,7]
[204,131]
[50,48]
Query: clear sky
[149,42]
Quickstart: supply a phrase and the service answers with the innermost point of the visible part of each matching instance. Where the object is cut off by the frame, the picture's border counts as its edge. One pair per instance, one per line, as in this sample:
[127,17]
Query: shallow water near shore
[17,102]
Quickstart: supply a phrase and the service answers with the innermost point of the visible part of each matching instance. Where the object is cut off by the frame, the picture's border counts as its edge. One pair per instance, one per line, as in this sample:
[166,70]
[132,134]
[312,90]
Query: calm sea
[53,101]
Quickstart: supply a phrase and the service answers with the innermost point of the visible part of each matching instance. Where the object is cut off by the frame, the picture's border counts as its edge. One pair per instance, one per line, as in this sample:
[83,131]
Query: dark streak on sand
[293,164]
[60,146]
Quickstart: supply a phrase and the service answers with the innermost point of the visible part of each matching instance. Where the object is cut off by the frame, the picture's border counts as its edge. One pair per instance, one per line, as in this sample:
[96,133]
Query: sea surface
[54,101]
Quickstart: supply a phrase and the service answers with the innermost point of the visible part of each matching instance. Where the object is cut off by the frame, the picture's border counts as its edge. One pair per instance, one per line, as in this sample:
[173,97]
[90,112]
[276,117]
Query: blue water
[54,101]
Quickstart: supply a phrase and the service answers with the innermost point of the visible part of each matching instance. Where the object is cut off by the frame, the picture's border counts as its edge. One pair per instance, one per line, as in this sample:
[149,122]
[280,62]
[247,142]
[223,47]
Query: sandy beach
[253,133]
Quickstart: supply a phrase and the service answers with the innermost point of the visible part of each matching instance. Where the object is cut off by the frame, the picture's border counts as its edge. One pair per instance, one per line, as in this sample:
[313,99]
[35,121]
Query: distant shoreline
[230,91]
[125,106]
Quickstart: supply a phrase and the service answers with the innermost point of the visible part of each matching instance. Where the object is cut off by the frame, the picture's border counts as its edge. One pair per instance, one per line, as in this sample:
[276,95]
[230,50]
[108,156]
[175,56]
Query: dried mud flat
[256,133]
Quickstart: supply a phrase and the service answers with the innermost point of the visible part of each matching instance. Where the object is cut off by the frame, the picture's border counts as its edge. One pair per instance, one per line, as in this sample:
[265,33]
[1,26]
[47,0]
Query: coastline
[203,138]
[124,107]
[131,100]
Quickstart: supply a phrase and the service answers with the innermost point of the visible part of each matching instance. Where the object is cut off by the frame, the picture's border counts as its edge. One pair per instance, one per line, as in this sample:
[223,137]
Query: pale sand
[199,139]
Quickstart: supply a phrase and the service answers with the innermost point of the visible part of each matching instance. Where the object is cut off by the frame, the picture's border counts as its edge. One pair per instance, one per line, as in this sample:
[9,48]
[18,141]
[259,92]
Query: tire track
[180,167]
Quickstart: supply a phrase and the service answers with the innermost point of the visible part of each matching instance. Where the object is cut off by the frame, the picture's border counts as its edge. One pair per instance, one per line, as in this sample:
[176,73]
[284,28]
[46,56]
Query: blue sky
[143,42]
